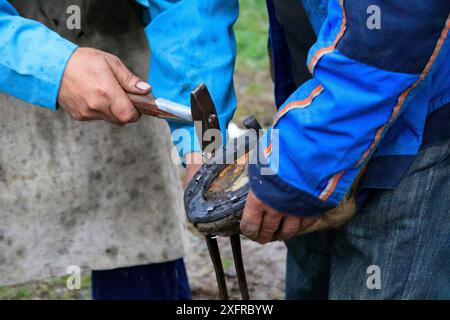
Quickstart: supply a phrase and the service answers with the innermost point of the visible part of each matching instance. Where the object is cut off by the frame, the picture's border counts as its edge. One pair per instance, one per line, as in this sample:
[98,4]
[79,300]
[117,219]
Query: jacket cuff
[282,196]
[49,91]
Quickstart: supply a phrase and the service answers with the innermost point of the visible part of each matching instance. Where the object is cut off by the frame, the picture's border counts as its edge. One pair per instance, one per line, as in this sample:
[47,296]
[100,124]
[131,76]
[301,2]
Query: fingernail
[144,86]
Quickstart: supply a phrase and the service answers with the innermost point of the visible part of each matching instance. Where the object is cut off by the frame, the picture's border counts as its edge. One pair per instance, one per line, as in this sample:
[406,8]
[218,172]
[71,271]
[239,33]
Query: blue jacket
[375,95]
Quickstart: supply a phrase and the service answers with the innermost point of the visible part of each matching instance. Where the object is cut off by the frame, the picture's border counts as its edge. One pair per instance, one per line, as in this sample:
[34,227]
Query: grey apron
[86,193]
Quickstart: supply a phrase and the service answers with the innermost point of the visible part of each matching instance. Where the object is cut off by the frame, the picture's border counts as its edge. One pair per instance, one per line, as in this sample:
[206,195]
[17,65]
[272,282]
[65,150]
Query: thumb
[127,80]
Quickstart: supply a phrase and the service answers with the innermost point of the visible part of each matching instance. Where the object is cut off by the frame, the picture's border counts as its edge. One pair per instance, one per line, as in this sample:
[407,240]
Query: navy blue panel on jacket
[386,172]
[411,42]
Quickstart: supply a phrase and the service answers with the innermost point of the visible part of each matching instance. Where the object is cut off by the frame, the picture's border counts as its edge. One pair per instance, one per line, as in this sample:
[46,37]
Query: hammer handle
[146,104]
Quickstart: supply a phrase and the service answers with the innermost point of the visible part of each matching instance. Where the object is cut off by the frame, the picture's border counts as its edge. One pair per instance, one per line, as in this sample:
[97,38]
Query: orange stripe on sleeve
[323,51]
[331,185]
[290,106]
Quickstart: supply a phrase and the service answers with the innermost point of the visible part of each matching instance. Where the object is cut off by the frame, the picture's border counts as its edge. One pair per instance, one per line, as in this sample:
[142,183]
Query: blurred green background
[251,35]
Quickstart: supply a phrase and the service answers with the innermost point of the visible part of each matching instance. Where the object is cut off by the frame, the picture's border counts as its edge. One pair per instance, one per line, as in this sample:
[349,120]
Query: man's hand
[263,224]
[94,87]
[194,161]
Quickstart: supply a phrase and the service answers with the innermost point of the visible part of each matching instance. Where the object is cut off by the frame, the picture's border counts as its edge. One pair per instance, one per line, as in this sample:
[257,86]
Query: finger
[84,114]
[123,109]
[87,116]
[270,223]
[307,222]
[102,111]
[96,115]
[251,217]
[110,117]
[289,227]
[127,80]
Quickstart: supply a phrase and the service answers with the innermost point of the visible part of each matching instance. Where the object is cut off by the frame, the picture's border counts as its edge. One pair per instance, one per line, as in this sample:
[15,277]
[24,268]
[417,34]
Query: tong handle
[235,241]
[214,253]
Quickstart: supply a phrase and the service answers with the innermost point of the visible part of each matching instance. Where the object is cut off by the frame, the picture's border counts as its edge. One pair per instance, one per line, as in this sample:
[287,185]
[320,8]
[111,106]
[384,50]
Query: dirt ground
[264,266]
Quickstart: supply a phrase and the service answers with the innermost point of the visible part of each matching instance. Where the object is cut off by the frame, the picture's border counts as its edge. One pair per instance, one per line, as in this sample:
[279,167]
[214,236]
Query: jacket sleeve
[363,78]
[32,58]
[192,41]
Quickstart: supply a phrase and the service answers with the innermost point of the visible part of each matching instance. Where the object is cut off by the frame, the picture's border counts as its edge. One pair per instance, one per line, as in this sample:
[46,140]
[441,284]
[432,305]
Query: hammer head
[204,113]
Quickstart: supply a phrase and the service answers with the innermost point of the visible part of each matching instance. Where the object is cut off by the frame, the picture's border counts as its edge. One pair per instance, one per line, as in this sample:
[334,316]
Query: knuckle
[133,119]
[84,115]
[272,217]
[115,60]
[254,219]
[103,93]
[80,117]
[249,229]
[284,235]
[289,232]
[94,105]
[270,228]
[99,102]
[250,235]
[128,77]
[126,116]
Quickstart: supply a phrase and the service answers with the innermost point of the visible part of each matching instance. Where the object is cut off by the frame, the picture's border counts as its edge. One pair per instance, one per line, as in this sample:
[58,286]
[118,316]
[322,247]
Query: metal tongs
[204,113]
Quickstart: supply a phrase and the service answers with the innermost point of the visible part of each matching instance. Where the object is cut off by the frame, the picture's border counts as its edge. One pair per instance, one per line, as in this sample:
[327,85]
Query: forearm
[32,58]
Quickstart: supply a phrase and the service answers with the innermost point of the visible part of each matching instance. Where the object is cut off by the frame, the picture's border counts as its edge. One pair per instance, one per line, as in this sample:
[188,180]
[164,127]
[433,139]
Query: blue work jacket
[375,98]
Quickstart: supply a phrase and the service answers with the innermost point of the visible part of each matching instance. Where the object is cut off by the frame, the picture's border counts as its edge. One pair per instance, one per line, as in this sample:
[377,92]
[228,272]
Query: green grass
[251,35]
[54,289]
[11,293]
[226,263]
[254,88]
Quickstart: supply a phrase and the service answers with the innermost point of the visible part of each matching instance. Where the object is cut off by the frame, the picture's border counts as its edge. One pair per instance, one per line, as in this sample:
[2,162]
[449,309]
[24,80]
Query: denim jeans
[404,232]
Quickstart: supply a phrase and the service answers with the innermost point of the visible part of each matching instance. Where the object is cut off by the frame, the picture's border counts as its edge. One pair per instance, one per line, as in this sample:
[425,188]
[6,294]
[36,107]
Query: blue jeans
[161,281]
[405,232]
